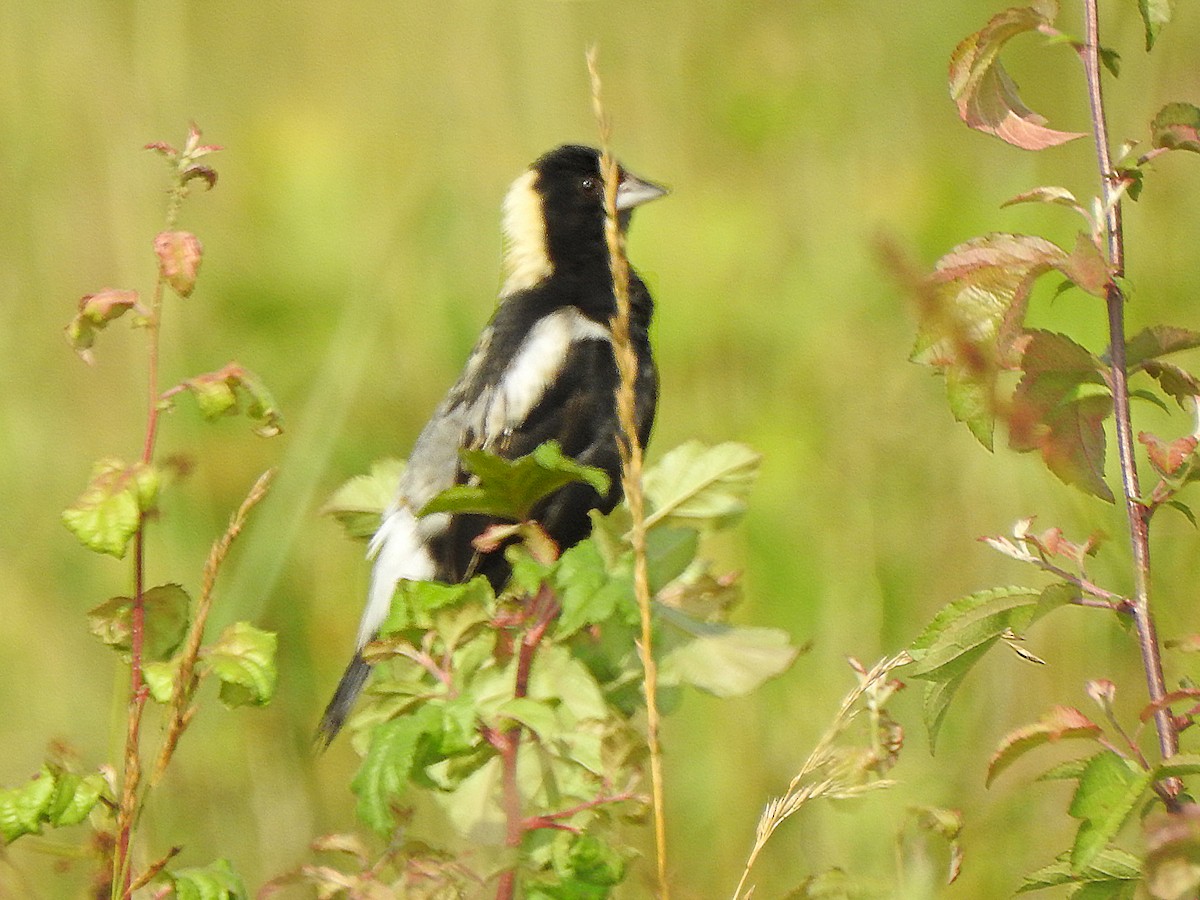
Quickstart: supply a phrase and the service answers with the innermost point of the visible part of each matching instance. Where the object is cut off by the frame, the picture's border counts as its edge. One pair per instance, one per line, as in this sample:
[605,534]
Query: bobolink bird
[542,370]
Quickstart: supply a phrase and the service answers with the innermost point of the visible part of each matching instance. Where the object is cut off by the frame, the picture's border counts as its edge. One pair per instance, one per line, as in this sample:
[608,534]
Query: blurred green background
[352,251]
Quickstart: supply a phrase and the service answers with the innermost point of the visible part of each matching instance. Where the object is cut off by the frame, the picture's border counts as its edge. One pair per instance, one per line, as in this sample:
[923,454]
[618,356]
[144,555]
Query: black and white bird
[542,370]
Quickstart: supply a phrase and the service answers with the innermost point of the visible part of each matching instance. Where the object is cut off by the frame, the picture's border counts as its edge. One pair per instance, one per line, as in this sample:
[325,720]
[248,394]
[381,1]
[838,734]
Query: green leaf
[384,774]
[179,254]
[53,797]
[1110,866]
[166,608]
[1109,791]
[962,632]
[588,592]
[1059,408]
[986,96]
[973,309]
[358,504]
[510,489]
[537,717]
[230,389]
[243,659]
[429,605]
[724,660]
[1178,766]
[216,881]
[700,487]
[107,514]
[160,679]
[587,859]
[95,312]
[1155,14]
[1061,722]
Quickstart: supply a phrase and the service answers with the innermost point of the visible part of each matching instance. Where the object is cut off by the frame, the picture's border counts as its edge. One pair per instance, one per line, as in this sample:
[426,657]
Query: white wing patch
[535,365]
[526,259]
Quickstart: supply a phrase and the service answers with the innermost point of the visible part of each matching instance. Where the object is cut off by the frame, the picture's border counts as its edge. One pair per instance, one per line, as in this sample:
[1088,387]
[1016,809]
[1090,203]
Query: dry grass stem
[631,465]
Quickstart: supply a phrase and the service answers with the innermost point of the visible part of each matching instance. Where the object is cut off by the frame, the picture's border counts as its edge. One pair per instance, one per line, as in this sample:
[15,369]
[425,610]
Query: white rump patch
[526,259]
[399,552]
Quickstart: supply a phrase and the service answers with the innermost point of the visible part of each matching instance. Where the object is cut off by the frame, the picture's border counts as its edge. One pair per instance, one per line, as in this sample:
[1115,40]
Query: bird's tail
[339,707]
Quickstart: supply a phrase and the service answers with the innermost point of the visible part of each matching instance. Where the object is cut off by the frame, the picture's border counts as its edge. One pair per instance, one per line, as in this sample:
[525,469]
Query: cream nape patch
[526,259]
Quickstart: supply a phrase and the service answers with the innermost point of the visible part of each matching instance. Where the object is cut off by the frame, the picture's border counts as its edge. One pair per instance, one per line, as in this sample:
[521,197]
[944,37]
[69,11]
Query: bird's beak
[633,191]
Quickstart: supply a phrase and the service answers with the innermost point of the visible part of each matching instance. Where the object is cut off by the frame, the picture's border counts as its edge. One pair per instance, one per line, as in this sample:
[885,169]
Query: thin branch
[1136,511]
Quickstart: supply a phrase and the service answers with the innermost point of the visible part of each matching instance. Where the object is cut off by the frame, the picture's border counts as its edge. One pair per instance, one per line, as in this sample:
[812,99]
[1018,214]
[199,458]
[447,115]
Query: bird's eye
[590,185]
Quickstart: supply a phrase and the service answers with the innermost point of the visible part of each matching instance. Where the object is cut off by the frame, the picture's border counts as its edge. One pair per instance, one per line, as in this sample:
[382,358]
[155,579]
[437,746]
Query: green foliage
[538,690]
[109,511]
[54,797]
[216,881]
[167,608]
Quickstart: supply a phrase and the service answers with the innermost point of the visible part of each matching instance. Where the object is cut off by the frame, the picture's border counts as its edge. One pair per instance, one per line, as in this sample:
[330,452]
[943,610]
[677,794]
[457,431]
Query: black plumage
[543,369]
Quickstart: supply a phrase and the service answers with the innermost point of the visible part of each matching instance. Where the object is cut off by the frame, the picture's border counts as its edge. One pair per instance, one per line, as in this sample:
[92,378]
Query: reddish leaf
[1179,383]
[179,254]
[1059,408]
[986,96]
[1062,722]
[1158,340]
[95,312]
[1177,127]
[1086,267]
[1167,458]
[973,318]
[223,391]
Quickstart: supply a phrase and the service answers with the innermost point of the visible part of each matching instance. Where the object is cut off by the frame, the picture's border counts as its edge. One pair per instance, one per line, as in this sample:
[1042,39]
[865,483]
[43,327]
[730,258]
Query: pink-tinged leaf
[1061,723]
[162,147]
[1103,691]
[95,312]
[1052,194]
[1086,267]
[986,96]
[1059,408]
[973,312]
[193,149]
[179,254]
[1177,127]
[1159,340]
[1053,543]
[206,173]
[1182,385]
[109,511]
[1167,457]
[227,390]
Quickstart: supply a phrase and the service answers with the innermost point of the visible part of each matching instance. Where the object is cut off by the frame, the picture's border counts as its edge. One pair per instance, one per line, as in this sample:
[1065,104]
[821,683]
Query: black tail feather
[339,707]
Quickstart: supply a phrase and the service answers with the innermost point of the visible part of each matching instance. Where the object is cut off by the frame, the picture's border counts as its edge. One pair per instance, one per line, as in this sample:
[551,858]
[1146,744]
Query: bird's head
[554,215]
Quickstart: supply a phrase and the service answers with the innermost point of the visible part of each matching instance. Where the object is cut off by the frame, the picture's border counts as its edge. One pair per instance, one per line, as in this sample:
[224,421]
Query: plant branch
[1137,512]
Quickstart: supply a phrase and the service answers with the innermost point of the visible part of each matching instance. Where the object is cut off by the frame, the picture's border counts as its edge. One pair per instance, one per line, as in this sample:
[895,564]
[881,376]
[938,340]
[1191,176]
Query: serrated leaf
[165,621]
[419,604]
[227,390]
[383,776]
[243,659]
[1062,722]
[986,96]
[587,591]
[358,504]
[95,312]
[1155,14]
[1086,267]
[216,881]
[973,311]
[510,489]
[700,487]
[1059,407]
[1167,457]
[179,254]
[1110,865]
[1109,790]
[1178,383]
[724,660]
[1158,340]
[107,514]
